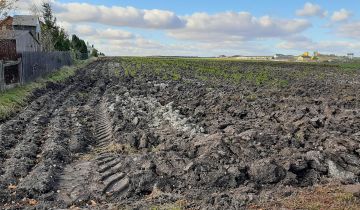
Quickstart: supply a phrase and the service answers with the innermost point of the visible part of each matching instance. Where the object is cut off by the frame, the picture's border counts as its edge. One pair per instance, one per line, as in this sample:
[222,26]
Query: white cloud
[350,29]
[117,16]
[29,6]
[341,15]
[310,10]
[204,34]
[110,33]
[236,26]
[198,26]
[88,31]
[66,25]
[84,30]
[305,44]
[142,46]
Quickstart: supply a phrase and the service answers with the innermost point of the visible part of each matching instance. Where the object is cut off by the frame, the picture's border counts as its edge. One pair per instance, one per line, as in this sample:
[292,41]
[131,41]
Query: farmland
[176,133]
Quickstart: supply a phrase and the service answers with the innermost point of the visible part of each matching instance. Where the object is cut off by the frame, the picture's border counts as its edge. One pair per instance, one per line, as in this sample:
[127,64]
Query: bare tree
[35,10]
[46,39]
[6,6]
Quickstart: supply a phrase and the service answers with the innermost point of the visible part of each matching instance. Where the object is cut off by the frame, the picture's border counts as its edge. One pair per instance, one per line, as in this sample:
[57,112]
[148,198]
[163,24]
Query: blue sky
[211,28]
[257,7]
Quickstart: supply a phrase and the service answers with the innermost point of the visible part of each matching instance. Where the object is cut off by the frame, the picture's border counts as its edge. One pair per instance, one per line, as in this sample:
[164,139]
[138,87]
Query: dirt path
[109,140]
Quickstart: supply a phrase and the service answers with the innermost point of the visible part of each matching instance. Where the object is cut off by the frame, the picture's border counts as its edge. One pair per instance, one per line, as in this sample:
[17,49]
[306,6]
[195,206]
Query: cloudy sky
[212,27]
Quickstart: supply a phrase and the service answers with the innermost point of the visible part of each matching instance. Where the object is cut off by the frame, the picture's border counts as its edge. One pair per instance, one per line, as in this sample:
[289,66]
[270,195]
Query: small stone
[233,170]
[148,165]
[32,202]
[358,151]
[230,130]
[266,171]
[338,172]
[189,166]
[135,121]
[316,122]
[143,141]
[248,135]
[117,99]
[298,165]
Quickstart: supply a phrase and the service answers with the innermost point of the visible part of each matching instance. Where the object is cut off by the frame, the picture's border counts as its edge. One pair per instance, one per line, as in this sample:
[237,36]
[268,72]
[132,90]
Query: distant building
[22,23]
[222,56]
[90,48]
[350,56]
[13,42]
[254,57]
[304,58]
[329,58]
[281,57]
[18,34]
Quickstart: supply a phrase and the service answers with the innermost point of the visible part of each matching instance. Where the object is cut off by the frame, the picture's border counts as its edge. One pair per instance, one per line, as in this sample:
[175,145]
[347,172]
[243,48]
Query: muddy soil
[109,140]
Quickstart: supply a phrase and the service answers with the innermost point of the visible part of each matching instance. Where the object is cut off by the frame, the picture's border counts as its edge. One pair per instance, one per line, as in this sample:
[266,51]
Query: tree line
[55,37]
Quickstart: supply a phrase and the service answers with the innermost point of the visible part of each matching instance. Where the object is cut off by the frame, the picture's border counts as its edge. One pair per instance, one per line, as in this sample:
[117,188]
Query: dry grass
[335,197]
[178,205]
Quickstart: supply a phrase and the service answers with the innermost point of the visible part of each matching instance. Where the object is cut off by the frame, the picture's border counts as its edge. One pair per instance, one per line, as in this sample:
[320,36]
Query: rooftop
[25,20]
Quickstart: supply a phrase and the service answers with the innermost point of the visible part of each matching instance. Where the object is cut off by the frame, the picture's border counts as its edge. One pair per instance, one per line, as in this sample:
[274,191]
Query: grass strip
[12,100]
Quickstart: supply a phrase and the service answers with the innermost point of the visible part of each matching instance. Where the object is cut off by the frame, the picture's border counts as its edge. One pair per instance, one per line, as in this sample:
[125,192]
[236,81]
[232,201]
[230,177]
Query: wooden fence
[31,66]
[37,64]
[2,83]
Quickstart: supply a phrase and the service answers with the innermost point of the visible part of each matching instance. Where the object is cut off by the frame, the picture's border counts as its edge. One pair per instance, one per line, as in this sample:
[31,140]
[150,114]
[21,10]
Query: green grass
[232,71]
[352,66]
[206,69]
[117,72]
[14,99]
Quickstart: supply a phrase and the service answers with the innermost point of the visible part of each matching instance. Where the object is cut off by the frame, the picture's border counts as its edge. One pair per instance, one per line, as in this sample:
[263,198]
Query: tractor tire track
[96,174]
[109,164]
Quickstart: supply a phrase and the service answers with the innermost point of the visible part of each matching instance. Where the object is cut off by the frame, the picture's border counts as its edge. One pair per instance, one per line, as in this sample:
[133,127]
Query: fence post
[2,79]
[20,70]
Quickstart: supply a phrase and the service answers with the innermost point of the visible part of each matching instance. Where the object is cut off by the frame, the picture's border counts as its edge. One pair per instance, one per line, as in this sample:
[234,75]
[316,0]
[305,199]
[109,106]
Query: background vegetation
[216,71]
